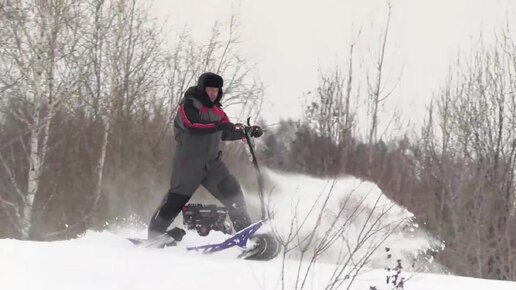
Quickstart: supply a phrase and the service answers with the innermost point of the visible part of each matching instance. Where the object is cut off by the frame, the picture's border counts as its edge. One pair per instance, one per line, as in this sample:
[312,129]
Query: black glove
[255,131]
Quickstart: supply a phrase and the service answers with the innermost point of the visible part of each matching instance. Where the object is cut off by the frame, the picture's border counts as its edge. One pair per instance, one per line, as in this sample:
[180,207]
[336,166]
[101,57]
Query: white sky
[291,39]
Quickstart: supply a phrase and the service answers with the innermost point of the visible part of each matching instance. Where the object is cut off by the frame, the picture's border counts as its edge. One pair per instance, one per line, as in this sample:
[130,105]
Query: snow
[106,260]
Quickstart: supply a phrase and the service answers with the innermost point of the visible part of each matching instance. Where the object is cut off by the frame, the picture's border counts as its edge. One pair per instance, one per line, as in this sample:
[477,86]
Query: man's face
[212,93]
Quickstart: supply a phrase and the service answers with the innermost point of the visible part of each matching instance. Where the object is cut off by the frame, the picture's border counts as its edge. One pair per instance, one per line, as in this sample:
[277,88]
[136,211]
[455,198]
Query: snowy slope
[105,260]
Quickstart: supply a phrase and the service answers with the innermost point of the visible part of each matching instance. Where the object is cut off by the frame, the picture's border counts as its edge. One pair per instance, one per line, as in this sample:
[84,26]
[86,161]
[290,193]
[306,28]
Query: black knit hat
[210,80]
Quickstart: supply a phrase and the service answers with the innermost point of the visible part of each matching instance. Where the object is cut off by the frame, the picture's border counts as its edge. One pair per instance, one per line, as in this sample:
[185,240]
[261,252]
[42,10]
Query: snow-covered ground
[106,260]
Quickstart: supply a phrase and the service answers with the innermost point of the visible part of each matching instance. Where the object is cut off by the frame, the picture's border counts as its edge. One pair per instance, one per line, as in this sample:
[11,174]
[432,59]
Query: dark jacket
[200,125]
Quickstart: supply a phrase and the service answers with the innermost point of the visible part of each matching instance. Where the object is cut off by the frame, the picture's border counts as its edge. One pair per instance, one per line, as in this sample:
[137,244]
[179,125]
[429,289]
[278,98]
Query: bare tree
[470,160]
[350,233]
[376,90]
[331,114]
[39,36]
[126,65]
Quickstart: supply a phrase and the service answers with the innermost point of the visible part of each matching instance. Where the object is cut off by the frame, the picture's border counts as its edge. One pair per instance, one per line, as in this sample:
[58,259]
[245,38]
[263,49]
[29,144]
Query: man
[199,125]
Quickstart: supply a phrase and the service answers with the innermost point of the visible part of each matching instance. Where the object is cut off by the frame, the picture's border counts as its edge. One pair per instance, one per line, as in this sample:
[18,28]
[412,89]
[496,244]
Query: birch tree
[38,37]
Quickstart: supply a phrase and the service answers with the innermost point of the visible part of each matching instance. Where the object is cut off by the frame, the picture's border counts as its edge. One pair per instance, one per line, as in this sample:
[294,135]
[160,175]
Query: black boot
[233,199]
[158,226]
[170,207]
[238,215]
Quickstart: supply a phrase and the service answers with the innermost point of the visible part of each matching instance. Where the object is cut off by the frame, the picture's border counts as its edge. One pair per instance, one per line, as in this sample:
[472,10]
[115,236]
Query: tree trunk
[34,160]
[102,159]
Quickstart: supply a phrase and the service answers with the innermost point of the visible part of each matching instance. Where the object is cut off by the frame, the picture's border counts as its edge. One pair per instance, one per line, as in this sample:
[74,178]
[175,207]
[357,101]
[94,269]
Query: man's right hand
[226,126]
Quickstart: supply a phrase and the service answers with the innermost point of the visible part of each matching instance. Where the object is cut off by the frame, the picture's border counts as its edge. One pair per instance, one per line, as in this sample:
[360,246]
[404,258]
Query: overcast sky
[291,39]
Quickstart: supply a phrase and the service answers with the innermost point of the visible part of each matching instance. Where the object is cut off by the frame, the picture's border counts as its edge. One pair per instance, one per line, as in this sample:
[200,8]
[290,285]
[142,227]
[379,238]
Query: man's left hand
[256,131]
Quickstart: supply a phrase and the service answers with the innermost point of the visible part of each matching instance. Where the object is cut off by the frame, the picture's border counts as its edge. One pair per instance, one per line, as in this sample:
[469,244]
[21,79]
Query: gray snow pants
[217,179]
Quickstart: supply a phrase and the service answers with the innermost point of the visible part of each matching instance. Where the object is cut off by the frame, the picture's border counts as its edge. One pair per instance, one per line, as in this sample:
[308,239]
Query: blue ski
[239,239]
